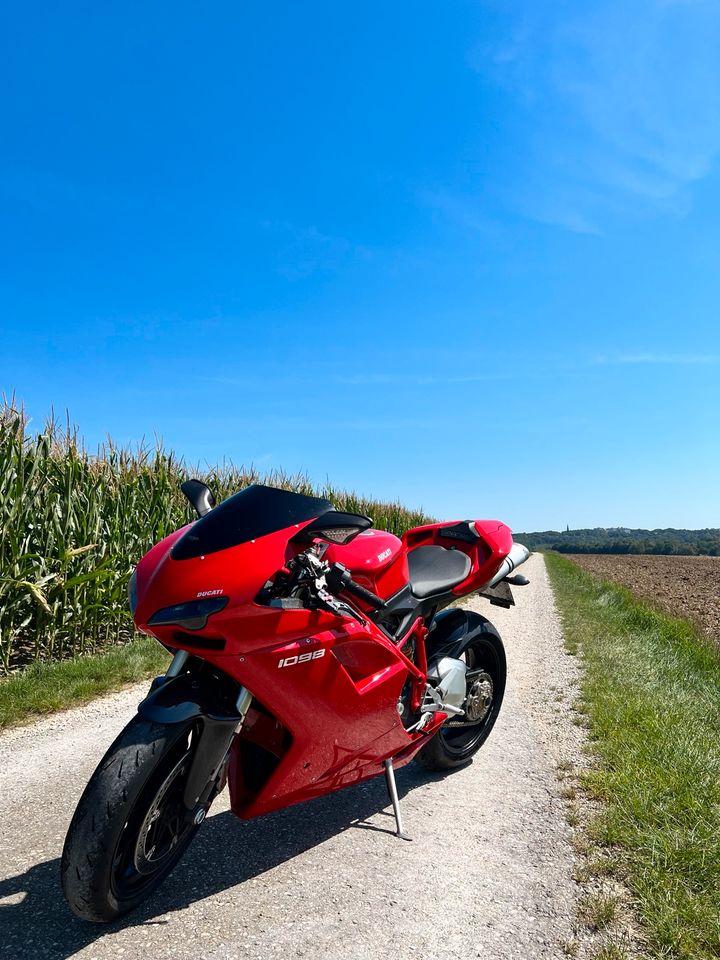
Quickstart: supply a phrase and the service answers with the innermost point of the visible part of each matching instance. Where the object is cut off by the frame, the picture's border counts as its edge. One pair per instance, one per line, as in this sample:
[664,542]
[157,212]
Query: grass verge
[45,687]
[651,688]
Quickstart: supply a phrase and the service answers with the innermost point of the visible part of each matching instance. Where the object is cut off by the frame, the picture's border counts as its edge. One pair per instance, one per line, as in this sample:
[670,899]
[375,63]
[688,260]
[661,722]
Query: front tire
[460,738]
[130,827]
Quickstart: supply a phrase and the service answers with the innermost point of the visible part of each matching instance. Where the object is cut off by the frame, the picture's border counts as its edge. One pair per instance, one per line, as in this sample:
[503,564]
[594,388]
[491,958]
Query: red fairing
[377,561]
[486,554]
[326,686]
[339,706]
[496,535]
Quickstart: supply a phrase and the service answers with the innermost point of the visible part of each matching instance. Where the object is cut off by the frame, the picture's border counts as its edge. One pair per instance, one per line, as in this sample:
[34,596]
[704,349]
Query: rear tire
[129,829]
[459,739]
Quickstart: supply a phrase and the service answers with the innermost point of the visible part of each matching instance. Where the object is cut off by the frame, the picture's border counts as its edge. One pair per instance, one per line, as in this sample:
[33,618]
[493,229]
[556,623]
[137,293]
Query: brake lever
[314,572]
[337,606]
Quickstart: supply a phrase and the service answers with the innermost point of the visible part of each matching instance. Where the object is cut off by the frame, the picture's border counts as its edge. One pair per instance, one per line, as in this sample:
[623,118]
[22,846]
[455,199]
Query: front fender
[176,699]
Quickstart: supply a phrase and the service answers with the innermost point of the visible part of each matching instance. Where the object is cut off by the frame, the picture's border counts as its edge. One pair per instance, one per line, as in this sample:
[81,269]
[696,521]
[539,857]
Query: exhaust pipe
[518,554]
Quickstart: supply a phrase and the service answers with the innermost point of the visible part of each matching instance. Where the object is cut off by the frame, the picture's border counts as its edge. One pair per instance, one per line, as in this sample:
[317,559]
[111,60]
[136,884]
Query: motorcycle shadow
[36,922]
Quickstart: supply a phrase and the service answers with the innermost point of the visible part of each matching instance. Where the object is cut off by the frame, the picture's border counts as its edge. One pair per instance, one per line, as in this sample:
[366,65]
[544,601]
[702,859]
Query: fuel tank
[376,559]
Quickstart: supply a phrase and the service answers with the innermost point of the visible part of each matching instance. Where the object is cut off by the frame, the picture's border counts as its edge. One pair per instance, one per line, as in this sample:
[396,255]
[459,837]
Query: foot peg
[392,791]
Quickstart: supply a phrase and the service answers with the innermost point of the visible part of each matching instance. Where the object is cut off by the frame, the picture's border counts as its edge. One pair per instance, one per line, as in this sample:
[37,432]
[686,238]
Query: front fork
[171,701]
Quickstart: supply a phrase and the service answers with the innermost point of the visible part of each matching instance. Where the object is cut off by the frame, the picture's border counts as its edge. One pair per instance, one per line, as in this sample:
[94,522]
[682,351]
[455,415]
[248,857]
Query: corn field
[73,525]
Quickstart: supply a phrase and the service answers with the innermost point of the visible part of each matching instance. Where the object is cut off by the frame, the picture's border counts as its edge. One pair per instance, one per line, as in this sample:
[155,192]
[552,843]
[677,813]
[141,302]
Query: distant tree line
[668,541]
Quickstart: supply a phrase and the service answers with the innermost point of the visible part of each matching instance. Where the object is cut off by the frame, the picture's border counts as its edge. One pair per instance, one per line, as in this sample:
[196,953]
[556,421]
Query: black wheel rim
[462,737]
[154,835]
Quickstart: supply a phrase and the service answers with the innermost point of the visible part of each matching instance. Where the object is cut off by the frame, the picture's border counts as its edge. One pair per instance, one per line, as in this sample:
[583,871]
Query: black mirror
[334,527]
[200,496]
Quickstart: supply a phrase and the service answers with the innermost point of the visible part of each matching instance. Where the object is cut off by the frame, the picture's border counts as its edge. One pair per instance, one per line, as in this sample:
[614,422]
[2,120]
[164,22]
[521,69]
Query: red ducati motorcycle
[310,652]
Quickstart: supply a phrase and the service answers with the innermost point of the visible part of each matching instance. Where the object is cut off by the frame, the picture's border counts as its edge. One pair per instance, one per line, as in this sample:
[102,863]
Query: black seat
[435,570]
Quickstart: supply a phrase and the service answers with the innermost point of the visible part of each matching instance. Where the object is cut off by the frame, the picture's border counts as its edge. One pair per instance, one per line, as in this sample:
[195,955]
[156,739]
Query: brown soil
[682,586]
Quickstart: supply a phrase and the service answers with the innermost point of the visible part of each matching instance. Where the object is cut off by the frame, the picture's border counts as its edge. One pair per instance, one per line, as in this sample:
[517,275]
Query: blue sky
[462,254]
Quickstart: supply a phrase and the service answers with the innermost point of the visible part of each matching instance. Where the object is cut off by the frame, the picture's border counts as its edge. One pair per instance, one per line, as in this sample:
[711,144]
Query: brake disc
[160,824]
[478,701]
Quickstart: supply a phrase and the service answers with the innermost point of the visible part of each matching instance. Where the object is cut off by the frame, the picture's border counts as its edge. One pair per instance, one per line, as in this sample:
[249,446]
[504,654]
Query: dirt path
[488,873]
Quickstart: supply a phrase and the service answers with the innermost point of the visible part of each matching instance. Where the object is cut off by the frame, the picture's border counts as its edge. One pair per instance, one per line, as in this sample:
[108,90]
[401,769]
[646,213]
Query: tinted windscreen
[247,515]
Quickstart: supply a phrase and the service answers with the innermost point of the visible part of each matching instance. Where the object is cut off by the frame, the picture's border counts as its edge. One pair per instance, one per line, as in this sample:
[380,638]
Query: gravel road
[488,873]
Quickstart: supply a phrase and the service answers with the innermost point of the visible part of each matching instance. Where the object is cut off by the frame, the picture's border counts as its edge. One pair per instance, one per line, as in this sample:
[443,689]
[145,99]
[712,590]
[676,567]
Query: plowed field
[682,586]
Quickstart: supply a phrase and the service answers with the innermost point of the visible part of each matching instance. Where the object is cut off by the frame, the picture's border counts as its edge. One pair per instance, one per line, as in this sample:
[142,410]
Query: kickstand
[392,791]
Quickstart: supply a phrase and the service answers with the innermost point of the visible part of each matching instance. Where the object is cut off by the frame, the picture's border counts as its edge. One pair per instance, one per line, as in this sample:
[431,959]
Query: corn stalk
[73,525]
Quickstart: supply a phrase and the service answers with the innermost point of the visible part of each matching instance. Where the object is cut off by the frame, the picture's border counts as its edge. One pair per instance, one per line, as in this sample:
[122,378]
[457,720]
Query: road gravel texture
[488,873]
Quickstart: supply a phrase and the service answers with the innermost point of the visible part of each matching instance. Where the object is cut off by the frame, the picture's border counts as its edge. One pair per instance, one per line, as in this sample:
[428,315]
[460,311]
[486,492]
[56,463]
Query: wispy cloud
[411,380]
[395,380]
[304,250]
[281,423]
[622,103]
[671,359]
[466,211]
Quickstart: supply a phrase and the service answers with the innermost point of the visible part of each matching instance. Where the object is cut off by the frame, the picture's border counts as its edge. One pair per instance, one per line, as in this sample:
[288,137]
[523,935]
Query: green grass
[45,687]
[651,687]
[599,910]
[610,951]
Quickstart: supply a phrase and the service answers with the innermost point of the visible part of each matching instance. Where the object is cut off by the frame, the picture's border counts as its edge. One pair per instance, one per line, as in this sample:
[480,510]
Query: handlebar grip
[361,593]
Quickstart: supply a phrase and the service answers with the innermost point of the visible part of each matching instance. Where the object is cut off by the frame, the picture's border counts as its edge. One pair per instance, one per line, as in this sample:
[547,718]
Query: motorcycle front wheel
[459,738]
[130,827]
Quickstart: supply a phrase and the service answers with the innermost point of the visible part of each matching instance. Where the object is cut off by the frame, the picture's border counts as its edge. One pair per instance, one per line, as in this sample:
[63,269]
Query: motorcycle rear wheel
[130,827]
[459,738]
